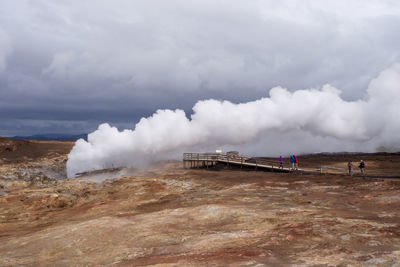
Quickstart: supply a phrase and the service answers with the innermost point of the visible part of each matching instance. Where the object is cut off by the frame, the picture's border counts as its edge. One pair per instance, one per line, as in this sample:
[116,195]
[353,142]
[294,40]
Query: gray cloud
[5,49]
[121,60]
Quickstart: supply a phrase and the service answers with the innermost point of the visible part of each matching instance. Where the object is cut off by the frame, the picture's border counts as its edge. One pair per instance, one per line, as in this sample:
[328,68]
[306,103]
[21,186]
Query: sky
[68,66]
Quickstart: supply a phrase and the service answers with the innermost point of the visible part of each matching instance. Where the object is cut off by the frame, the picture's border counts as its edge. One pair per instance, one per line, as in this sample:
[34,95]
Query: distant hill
[52,137]
[13,150]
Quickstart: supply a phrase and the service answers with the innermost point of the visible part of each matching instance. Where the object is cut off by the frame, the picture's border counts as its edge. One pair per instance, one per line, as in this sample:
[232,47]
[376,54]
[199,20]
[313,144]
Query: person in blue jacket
[292,160]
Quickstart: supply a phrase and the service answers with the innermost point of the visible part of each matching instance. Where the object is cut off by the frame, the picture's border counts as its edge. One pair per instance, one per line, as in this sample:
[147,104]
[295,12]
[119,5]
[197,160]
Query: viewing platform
[207,160]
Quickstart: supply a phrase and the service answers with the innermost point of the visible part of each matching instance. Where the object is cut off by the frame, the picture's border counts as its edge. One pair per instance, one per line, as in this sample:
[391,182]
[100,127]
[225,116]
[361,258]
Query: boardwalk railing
[201,156]
[205,160]
[197,160]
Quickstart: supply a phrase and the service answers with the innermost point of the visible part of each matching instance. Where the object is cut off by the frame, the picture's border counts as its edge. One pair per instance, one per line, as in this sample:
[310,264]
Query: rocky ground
[170,216]
[25,163]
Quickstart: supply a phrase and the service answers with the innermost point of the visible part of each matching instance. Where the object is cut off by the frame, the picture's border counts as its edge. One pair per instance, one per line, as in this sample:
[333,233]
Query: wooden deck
[206,160]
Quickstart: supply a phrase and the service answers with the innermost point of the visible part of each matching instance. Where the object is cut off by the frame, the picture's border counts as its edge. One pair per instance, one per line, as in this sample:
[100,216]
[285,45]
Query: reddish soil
[13,150]
[169,216]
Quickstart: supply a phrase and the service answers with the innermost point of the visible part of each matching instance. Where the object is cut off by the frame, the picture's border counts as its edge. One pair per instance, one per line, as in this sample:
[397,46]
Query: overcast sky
[66,66]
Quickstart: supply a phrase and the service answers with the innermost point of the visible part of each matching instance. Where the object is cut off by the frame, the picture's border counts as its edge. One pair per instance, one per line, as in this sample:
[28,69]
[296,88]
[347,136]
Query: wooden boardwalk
[206,160]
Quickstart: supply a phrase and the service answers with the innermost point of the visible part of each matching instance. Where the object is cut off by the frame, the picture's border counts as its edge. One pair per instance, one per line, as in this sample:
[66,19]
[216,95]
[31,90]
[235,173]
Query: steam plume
[303,121]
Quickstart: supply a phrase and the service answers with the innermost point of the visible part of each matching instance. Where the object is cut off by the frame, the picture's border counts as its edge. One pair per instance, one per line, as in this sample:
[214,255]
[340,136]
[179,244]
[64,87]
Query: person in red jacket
[296,162]
[350,167]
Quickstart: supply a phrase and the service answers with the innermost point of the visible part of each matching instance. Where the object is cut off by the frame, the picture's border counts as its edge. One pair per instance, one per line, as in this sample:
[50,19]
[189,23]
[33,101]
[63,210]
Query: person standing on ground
[292,162]
[296,162]
[350,166]
[280,162]
[362,167]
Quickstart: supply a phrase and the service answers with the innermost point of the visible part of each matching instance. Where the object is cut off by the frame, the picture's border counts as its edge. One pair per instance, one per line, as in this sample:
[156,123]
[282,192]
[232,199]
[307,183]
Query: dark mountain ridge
[52,137]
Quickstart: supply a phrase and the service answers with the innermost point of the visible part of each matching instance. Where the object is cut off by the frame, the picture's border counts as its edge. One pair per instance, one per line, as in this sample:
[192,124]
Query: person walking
[350,166]
[280,162]
[292,162]
[296,163]
[362,167]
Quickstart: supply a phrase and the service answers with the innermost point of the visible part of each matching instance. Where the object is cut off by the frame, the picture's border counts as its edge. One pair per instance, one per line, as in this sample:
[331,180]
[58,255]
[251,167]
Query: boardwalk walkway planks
[207,160]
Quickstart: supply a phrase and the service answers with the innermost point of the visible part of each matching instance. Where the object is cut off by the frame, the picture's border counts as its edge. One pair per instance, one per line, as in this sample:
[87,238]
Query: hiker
[362,167]
[280,162]
[292,162]
[350,166]
[296,162]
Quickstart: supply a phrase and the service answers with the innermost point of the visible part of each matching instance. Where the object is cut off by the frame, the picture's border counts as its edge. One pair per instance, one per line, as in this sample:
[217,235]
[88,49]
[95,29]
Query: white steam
[299,122]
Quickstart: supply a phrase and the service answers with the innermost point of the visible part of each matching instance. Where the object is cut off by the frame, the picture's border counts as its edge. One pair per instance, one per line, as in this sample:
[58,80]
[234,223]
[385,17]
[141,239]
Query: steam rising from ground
[300,122]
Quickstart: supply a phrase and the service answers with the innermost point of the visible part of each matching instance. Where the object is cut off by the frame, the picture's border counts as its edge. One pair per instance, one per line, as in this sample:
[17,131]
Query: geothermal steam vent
[319,117]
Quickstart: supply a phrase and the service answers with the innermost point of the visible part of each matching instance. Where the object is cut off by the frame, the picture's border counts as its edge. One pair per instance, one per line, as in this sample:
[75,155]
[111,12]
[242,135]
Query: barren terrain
[170,216]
